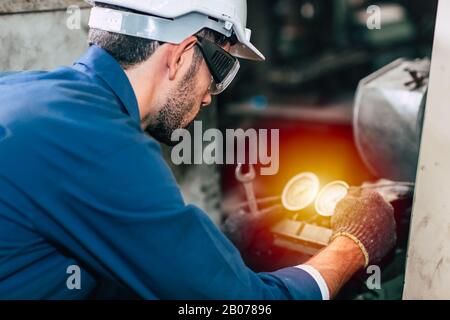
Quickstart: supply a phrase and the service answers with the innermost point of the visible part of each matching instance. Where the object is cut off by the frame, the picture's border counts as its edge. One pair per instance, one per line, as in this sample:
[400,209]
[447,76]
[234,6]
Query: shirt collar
[100,63]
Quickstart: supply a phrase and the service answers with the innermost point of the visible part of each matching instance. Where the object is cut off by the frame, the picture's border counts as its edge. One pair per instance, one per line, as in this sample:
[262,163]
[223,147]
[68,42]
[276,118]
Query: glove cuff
[357,241]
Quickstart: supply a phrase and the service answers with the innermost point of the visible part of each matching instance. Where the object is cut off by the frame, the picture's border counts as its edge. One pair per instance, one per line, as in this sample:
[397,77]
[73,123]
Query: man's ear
[177,56]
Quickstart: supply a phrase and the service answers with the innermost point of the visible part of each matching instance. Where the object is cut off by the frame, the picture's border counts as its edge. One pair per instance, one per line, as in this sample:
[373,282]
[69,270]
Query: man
[89,209]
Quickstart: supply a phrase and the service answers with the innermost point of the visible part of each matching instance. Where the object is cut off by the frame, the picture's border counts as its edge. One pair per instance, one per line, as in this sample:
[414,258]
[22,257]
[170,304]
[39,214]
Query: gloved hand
[367,219]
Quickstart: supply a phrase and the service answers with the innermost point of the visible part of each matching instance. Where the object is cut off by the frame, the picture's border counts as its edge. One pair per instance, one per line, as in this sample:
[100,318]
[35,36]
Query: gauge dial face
[300,191]
[329,197]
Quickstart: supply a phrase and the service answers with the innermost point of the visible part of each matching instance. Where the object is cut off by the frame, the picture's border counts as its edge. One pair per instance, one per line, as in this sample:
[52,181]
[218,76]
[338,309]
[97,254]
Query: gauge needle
[299,190]
[335,199]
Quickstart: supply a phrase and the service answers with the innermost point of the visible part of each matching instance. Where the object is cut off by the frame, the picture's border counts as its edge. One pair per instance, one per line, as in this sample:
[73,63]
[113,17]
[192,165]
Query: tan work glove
[367,219]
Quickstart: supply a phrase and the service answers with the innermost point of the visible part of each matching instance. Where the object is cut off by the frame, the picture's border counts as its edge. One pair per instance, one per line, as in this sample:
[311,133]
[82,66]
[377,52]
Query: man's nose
[207,100]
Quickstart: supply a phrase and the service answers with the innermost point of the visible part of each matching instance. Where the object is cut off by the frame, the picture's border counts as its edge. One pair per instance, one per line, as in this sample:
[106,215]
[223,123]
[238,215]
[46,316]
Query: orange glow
[326,150]
[330,154]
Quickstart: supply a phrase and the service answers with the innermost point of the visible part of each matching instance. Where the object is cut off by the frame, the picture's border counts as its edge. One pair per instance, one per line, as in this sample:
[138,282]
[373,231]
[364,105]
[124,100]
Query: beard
[175,112]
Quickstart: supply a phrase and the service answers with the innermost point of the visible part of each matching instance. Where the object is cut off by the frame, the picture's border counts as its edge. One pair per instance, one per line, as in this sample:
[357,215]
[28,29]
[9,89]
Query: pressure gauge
[300,191]
[329,196]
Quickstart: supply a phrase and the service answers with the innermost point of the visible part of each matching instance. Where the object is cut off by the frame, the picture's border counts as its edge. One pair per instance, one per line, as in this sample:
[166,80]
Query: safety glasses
[222,65]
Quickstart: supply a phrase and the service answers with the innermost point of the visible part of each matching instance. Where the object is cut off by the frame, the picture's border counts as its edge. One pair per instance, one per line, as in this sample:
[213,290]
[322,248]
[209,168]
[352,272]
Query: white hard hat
[173,21]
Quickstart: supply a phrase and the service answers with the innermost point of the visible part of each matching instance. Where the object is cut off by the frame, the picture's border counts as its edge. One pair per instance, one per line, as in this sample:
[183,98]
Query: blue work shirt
[82,185]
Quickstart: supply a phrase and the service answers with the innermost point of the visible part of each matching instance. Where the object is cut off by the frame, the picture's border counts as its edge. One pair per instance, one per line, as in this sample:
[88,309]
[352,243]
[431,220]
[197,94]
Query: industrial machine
[387,122]
[388,117]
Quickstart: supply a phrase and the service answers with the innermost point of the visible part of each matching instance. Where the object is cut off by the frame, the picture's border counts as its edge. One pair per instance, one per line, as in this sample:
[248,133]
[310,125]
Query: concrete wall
[20,6]
[39,39]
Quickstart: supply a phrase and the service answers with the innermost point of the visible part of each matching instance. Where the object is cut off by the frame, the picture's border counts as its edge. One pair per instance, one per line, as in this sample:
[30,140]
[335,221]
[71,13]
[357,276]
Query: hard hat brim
[246,50]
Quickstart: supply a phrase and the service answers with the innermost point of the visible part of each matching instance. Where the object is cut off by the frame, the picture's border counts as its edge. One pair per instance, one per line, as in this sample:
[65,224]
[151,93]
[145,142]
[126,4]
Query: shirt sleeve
[125,220]
[313,272]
